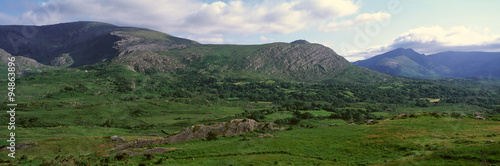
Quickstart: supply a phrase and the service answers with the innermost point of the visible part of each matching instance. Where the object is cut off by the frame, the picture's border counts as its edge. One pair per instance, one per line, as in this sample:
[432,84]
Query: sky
[355,29]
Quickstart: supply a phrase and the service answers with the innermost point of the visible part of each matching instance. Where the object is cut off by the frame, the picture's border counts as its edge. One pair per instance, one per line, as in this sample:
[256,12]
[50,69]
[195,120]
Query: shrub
[149,156]
[121,156]
[212,136]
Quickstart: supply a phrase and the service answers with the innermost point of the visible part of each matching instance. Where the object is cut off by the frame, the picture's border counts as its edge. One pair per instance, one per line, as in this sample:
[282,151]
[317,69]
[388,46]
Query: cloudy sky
[355,29]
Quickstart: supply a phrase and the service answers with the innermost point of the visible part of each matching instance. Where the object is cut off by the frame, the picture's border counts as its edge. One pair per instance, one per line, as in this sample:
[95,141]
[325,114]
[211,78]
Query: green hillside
[276,60]
[86,42]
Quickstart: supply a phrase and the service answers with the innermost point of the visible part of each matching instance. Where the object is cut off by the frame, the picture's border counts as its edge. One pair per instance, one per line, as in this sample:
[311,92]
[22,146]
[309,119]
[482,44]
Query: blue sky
[353,28]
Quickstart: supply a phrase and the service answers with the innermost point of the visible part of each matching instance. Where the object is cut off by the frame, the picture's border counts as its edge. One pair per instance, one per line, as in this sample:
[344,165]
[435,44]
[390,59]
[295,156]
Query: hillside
[85,42]
[275,60]
[150,52]
[408,63]
[23,65]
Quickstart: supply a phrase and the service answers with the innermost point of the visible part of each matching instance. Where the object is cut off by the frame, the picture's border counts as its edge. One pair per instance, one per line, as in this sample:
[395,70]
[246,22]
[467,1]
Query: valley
[141,84]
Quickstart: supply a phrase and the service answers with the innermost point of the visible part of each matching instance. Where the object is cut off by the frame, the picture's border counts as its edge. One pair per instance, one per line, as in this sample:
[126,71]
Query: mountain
[408,63]
[146,51]
[470,64]
[403,62]
[281,60]
[85,42]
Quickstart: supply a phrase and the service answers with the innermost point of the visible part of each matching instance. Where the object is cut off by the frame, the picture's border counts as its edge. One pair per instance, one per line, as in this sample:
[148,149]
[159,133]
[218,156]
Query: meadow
[400,123]
[424,139]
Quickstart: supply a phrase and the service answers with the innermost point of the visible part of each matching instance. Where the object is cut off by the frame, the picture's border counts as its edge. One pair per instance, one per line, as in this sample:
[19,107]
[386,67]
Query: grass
[74,125]
[390,142]
[278,115]
[318,113]
[147,116]
[445,108]
[422,140]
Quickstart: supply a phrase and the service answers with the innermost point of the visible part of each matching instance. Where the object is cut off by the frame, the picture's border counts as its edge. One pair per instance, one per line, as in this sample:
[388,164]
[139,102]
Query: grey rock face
[231,128]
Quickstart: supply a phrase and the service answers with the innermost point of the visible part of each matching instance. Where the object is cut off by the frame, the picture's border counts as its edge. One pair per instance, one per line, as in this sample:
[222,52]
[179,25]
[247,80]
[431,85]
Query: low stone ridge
[231,128]
[150,151]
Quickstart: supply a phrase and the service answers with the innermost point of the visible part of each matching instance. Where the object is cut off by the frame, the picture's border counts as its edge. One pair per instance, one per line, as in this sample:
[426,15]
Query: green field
[71,115]
[423,140]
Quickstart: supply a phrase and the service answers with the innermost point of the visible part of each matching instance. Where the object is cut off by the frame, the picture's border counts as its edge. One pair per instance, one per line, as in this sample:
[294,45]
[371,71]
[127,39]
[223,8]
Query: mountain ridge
[449,64]
[86,42]
[402,62]
[146,51]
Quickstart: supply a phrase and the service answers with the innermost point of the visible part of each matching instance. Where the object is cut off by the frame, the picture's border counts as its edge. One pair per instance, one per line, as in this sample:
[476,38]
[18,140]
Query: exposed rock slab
[231,128]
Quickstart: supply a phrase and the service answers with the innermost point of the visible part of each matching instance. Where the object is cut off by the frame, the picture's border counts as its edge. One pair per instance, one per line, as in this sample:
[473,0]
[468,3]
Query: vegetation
[71,119]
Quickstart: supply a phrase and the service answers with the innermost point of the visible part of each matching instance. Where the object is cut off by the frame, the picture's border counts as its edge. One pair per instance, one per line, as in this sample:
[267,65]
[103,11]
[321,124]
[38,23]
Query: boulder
[118,139]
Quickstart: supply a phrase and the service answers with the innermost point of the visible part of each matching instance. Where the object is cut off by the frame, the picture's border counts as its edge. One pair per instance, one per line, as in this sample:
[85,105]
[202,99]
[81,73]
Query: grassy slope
[424,140]
[393,140]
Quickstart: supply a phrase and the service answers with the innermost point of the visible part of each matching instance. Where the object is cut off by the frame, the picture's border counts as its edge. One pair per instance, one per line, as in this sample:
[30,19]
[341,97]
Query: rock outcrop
[301,41]
[130,43]
[231,128]
[294,60]
[149,151]
[118,139]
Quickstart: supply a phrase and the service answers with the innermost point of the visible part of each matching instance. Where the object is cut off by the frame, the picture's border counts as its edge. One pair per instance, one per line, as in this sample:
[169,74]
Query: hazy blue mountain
[408,63]
[470,64]
[402,62]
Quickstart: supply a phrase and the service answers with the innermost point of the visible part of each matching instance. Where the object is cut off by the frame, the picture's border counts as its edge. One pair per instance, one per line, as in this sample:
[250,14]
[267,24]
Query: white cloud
[326,9]
[454,36]
[361,19]
[194,17]
[265,39]
[355,55]
[429,40]
[211,40]
[459,38]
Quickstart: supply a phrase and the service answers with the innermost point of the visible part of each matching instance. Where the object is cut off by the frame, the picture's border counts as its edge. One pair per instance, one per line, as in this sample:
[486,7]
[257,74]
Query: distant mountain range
[408,63]
[146,51]
[75,44]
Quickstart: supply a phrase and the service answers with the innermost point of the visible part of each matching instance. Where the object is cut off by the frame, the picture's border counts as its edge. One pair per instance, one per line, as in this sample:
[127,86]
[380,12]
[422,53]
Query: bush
[212,136]
[149,156]
[435,114]
[130,98]
[121,156]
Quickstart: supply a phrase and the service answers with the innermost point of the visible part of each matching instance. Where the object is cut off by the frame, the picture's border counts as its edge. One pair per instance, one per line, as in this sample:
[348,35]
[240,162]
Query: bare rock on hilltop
[301,41]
